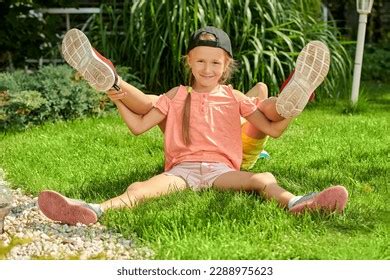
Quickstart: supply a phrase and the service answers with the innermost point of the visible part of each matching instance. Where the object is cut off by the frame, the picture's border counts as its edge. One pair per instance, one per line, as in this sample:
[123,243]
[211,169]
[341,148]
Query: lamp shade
[364,6]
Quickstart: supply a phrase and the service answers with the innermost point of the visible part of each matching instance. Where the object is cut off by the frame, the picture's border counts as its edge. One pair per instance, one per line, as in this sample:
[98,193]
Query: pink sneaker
[67,211]
[332,199]
[97,70]
[311,68]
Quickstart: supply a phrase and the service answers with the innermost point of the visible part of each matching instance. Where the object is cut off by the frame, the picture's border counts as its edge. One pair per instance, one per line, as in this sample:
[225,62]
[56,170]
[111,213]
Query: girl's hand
[116,95]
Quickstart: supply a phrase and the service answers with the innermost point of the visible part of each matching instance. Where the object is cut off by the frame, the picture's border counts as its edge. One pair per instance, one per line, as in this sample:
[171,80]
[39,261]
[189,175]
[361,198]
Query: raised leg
[100,72]
[253,140]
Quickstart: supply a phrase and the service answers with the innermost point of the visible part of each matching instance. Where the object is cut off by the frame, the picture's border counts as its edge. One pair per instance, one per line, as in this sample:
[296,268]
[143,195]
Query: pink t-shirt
[215,128]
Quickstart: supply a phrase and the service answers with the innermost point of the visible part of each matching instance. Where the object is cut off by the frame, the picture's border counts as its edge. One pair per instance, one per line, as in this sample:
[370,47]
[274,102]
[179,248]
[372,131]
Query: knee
[263,90]
[135,189]
[262,85]
[270,177]
[262,179]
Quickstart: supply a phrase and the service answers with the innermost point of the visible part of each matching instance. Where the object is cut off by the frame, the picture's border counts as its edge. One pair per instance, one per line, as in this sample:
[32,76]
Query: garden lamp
[363,7]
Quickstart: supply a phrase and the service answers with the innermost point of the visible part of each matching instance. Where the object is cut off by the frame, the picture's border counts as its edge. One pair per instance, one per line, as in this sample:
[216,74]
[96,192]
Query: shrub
[376,64]
[50,94]
[22,109]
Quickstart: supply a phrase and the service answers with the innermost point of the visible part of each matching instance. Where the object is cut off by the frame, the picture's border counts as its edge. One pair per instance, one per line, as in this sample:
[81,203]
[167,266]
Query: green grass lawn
[95,159]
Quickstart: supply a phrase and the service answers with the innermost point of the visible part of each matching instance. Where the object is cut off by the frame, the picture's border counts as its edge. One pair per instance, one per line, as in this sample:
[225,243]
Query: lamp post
[363,7]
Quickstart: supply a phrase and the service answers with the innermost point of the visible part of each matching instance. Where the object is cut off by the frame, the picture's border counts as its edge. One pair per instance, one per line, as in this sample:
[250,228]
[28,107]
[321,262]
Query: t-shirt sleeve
[247,106]
[163,104]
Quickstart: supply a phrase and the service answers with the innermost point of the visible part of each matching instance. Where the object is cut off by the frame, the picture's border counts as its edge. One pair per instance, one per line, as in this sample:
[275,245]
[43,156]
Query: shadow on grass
[358,222]
[186,212]
[112,186]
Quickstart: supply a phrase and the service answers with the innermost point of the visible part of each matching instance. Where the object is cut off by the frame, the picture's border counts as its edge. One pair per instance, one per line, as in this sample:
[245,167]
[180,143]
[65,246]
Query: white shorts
[199,175]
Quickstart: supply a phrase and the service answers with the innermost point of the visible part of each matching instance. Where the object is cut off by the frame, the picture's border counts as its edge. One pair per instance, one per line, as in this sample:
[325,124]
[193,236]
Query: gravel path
[31,236]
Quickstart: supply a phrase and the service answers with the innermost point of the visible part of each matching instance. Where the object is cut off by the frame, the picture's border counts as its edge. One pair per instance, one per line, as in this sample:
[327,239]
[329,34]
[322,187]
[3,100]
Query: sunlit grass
[95,159]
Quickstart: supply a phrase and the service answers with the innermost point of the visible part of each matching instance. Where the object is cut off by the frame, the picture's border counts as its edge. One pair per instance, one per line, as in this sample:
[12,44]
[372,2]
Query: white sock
[293,200]
[97,208]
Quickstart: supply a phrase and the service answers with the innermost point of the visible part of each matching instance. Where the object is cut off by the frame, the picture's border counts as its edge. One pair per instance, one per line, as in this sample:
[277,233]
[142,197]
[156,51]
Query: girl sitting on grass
[202,138]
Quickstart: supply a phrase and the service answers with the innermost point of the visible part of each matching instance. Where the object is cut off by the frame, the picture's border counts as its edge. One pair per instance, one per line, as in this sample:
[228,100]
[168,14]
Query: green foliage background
[267,35]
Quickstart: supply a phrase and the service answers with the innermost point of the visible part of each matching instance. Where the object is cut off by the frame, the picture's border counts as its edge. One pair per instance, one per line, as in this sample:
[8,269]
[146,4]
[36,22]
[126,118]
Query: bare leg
[260,91]
[332,199]
[253,140]
[156,186]
[263,183]
[68,211]
[60,208]
[266,105]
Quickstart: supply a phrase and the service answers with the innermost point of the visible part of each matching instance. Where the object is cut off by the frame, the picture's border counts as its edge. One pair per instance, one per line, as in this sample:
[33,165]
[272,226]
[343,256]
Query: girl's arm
[261,122]
[138,124]
[273,129]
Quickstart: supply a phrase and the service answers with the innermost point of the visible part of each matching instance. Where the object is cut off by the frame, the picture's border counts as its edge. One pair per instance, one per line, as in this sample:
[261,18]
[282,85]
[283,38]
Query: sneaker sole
[79,54]
[58,208]
[311,68]
[333,199]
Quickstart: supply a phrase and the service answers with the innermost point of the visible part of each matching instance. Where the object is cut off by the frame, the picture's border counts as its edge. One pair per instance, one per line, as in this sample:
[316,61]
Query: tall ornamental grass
[267,35]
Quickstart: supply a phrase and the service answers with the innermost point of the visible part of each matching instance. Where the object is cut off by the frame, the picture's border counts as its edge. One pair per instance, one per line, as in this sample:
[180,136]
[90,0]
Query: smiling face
[207,64]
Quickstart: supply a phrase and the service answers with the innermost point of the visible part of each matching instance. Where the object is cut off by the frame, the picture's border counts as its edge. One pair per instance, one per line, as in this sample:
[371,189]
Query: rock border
[28,234]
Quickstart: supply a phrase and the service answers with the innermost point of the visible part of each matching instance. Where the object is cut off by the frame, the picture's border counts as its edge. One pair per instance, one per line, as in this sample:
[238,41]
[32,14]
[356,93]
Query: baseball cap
[222,39]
